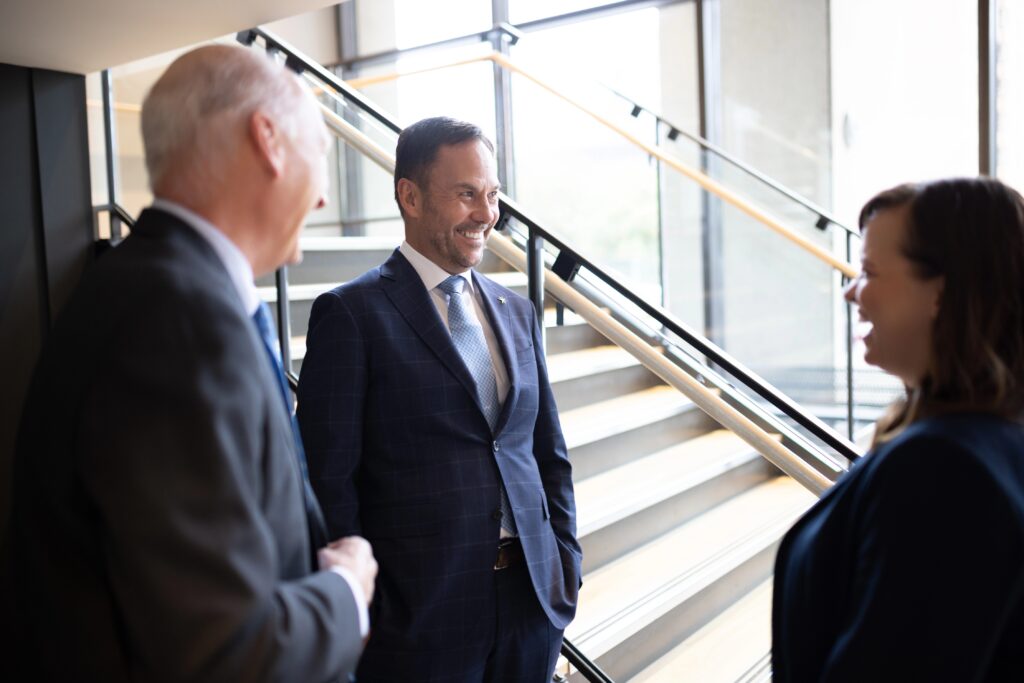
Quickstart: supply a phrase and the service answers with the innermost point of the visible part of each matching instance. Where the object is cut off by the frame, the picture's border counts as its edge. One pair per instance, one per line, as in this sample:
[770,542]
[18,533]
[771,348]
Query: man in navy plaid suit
[430,429]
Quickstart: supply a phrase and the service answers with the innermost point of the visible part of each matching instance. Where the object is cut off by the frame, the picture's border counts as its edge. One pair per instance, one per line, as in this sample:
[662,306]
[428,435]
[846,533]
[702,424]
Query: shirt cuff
[360,598]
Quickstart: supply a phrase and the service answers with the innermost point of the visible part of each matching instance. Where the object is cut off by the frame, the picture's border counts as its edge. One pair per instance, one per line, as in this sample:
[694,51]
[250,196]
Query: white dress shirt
[432,276]
[240,271]
[238,267]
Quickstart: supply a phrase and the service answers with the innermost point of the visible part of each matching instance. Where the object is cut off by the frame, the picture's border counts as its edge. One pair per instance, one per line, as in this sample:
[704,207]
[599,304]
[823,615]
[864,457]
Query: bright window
[1010,93]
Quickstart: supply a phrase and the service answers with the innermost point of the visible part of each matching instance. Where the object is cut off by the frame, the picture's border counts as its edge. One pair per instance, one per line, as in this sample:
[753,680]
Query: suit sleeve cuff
[357,593]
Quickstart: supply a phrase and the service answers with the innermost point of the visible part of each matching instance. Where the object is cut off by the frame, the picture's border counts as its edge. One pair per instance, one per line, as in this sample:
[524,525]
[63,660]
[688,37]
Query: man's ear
[410,198]
[268,140]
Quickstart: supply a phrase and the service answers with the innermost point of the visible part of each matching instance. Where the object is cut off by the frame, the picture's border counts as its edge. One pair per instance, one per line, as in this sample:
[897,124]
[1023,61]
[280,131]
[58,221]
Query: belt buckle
[504,558]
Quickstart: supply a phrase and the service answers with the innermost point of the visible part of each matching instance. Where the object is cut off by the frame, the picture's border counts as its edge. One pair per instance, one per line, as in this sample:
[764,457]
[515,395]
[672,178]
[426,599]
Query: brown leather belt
[510,551]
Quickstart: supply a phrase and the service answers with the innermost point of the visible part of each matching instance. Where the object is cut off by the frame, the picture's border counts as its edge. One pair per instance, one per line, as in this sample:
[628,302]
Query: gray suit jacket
[159,525]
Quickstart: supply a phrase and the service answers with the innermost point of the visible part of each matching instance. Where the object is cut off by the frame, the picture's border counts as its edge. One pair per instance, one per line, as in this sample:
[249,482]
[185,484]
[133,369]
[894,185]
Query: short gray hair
[194,113]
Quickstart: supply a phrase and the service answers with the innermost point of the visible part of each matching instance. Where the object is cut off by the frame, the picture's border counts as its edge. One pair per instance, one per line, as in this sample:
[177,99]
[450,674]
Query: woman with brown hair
[911,568]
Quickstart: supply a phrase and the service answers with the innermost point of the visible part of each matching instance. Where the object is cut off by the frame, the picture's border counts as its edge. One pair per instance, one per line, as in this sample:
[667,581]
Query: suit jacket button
[496,514]
[497,446]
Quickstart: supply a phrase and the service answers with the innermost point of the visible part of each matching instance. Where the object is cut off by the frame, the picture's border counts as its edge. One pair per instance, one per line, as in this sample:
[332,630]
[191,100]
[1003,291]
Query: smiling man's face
[458,207]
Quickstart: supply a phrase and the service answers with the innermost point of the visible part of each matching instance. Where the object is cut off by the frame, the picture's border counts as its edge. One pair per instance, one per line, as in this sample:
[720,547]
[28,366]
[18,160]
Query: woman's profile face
[899,306]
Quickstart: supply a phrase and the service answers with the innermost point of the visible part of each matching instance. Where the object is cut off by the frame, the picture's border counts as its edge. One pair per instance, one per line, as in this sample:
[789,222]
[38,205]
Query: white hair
[197,111]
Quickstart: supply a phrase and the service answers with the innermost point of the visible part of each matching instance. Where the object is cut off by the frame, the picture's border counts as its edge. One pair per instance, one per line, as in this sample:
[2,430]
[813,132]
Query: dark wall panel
[62,146]
[24,313]
[23,297]
[45,244]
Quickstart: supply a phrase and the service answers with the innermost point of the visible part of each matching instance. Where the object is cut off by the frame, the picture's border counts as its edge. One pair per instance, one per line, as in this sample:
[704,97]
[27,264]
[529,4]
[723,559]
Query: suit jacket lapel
[403,286]
[500,316]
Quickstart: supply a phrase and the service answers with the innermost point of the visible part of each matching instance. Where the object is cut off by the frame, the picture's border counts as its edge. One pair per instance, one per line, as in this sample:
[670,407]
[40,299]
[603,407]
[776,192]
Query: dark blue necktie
[314,516]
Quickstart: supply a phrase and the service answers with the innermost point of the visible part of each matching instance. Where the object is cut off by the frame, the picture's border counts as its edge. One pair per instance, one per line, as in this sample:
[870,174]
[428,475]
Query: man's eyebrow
[470,186]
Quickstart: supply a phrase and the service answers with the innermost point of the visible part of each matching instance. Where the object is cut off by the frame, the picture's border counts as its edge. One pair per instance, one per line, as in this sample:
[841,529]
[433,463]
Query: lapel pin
[501,299]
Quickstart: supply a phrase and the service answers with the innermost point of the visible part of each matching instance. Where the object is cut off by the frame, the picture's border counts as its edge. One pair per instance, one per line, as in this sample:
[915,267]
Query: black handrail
[115,210]
[118,216]
[784,404]
[592,672]
[825,218]
[297,62]
[573,261]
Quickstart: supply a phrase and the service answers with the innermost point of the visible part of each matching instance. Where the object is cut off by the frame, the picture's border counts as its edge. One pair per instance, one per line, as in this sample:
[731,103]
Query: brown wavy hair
[969,231]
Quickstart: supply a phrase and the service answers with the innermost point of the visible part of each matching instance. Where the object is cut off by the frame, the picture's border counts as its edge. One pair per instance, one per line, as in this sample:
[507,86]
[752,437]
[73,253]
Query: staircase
[679,519]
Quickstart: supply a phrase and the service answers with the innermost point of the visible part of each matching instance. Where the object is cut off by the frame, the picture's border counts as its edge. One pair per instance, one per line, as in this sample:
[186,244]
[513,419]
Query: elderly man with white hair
[164,526]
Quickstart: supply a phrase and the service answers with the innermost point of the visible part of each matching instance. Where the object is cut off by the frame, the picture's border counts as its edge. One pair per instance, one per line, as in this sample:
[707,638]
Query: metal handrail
[298,62]
[591,671]
[361,142]
[115,210]
[706,398]
[825,218]
[704,180]
[705,347]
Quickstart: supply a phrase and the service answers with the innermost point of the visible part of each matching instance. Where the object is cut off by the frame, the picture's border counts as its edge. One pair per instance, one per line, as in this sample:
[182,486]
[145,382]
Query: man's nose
[485,212]
[850,290]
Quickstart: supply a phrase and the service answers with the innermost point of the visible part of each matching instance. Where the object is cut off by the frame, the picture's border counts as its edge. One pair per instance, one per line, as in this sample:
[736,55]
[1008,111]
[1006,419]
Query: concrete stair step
[634,610]
[591,375]
[573,335]
[610,433]
[623,508]
[734,646]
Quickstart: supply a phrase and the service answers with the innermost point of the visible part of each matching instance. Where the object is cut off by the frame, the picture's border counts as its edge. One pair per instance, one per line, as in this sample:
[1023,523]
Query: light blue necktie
[314,516]
[471,345]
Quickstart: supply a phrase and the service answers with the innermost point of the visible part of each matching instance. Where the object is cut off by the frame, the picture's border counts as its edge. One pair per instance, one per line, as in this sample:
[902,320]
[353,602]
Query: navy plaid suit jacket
[400,452]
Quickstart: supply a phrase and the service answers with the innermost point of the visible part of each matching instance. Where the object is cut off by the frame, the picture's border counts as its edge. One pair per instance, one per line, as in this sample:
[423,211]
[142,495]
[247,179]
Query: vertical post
[110,149]
[709,81]
[348,47]
[662,270]
[535,274]
[284,323]
[503,102]
[849,348]
[986,87]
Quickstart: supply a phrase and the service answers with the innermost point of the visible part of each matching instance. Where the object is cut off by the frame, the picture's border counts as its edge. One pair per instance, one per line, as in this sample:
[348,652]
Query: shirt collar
[431,273]
[238,267]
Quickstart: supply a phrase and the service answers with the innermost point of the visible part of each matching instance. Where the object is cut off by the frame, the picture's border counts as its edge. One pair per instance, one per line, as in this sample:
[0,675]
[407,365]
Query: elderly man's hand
[354,554]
